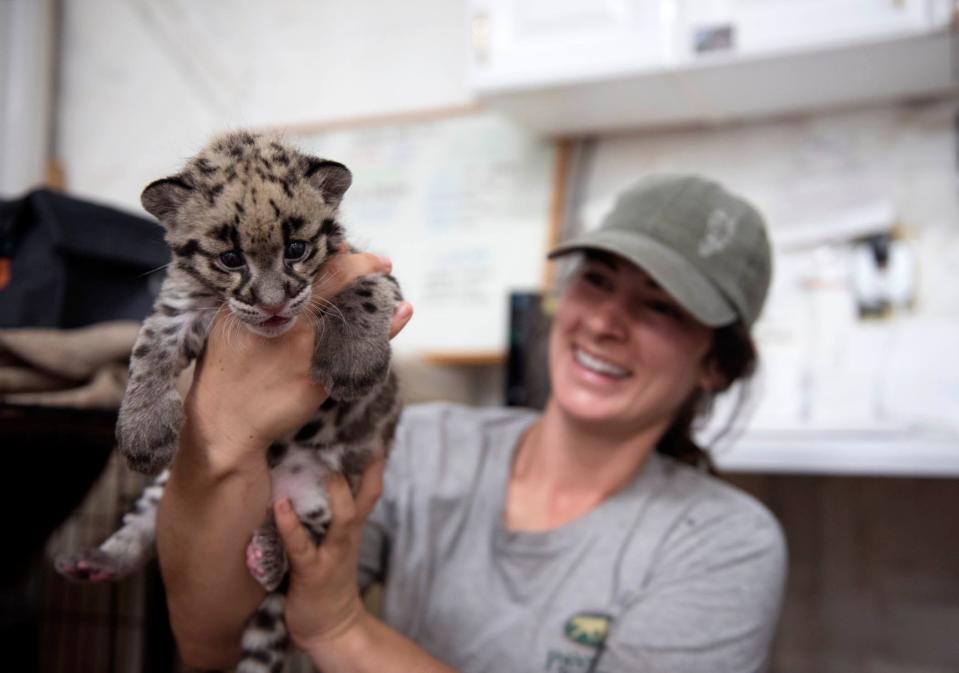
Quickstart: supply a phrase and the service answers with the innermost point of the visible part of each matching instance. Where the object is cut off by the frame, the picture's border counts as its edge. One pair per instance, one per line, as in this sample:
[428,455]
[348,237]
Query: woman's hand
[324,614]
[323,601]
[250,390]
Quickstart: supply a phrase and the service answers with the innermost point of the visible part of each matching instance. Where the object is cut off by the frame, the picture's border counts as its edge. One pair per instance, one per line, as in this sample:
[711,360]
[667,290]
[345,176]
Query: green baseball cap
[705,246]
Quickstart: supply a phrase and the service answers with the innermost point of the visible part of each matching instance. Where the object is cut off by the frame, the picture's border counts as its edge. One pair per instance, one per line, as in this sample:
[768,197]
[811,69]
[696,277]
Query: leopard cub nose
[274,309]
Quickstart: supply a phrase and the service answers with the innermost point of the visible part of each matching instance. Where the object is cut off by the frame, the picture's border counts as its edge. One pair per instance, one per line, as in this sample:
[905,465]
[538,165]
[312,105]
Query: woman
[578,540]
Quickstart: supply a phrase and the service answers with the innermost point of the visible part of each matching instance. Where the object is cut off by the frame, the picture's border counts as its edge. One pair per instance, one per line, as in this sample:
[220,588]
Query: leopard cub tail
[265,639]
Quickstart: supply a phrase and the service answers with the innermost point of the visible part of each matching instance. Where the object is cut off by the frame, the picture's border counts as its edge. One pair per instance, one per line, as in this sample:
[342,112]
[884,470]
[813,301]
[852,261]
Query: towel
[83,368]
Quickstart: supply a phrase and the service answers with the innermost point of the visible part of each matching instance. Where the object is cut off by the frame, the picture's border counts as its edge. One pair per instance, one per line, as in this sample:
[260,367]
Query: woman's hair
[734,355]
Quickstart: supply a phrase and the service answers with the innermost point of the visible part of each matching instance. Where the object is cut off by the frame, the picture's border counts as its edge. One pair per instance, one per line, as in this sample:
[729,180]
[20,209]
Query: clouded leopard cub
[251,223]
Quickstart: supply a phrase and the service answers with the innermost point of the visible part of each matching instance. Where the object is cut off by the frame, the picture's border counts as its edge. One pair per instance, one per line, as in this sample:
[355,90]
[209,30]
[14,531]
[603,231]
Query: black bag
[74,263]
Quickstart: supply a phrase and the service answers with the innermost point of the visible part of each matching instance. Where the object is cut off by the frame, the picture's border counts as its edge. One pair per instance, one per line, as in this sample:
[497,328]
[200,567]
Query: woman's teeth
[594,364]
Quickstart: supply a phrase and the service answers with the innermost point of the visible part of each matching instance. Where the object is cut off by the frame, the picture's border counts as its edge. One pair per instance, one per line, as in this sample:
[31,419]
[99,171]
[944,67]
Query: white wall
[145,83]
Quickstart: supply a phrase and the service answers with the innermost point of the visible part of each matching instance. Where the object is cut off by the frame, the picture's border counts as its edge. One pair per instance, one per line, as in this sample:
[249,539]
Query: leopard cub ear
[331,178]
[163,198]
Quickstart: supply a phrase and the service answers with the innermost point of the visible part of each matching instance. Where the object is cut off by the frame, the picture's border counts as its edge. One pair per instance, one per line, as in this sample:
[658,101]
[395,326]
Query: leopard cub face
[251,222]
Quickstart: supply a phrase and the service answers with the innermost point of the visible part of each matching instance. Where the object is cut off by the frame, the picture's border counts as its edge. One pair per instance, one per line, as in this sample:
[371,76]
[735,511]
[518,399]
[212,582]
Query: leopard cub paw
[266,559]
[147,434]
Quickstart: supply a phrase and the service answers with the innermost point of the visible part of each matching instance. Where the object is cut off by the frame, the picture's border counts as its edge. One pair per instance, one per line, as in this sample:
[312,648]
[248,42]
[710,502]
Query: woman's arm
[206,518]
[244,391]
[324,613]
[247,392]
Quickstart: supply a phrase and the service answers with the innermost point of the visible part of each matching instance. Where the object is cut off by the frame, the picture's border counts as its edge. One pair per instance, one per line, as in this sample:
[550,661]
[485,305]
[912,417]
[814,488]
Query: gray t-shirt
[678,572]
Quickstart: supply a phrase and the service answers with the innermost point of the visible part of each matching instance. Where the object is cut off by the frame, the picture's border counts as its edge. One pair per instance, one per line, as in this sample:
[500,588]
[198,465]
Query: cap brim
[683,281]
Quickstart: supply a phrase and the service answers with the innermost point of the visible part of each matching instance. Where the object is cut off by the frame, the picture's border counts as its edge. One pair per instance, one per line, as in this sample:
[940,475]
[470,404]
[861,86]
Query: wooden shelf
[479,359]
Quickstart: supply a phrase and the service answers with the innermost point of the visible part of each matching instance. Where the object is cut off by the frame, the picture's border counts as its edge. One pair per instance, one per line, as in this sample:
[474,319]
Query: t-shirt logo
[588,628]
[720,229]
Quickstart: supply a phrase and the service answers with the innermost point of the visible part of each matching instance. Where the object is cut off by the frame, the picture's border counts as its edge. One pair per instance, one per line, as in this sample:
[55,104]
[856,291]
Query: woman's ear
[711,378]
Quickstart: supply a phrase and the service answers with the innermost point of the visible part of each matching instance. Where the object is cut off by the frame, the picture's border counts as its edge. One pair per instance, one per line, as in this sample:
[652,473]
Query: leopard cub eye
[232,259]
[294,250]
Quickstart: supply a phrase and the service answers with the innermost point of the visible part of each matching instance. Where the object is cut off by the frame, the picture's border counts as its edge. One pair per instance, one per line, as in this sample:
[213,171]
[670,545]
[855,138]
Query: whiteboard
[461,203]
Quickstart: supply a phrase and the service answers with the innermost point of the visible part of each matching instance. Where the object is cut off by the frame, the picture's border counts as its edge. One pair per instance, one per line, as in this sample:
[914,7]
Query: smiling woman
[617,298]
[623,352]
[583,515]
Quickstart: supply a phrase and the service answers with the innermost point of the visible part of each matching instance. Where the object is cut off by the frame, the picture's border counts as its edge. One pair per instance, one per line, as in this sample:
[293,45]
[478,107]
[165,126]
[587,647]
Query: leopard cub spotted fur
[251,223]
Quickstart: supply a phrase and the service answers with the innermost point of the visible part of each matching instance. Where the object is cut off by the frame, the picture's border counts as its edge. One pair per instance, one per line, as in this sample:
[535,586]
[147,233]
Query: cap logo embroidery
[720,229]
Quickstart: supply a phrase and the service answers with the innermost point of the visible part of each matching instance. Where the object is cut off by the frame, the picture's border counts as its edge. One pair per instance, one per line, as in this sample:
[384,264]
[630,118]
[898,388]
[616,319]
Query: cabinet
[766,27]
[572,66]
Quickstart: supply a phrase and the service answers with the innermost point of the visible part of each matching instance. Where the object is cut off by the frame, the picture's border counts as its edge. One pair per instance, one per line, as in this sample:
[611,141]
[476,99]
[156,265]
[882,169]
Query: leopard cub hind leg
[296,474]
[126,550]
